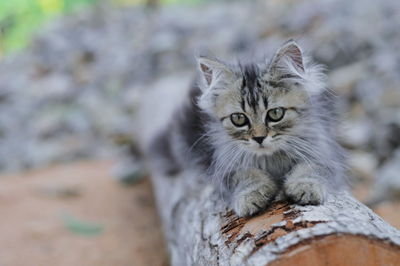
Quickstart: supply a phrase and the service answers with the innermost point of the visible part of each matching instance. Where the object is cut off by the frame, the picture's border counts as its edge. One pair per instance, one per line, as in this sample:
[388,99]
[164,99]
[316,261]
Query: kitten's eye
[275,114]
[239,119]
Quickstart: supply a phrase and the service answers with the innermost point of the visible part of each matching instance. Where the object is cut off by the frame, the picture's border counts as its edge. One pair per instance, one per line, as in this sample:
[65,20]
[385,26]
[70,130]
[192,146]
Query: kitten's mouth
[264,148]
[260,149]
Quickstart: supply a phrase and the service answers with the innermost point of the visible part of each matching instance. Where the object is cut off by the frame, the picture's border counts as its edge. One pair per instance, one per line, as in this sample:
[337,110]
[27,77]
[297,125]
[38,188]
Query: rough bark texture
[200,230]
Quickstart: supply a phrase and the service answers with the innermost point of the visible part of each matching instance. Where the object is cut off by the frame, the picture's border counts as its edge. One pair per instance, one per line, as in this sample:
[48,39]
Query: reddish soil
[34,232]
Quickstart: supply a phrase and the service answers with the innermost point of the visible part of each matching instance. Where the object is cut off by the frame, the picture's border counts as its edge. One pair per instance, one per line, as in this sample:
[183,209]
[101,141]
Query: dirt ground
[77,214]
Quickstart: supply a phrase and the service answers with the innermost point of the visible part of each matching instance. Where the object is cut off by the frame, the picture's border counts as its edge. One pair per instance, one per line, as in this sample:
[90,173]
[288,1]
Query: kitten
[259,129]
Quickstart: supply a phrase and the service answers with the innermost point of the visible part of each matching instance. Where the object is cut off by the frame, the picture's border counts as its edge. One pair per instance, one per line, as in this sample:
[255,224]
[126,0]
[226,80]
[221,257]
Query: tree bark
[201,230]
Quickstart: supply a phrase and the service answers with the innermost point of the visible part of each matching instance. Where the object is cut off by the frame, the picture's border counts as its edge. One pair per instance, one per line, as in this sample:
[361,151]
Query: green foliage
[20,18]
[80,227]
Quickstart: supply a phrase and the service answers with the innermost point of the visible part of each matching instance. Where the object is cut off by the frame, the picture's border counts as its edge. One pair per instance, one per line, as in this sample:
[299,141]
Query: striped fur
[298,155]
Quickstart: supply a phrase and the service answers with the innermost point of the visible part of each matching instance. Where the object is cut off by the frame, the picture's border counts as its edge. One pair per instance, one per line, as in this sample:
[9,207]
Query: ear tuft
[211,69]
[291,51]
[207,72]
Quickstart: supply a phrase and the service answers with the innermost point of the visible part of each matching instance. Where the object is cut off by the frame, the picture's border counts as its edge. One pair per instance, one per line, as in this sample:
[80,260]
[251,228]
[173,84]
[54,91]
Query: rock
[363,165]
[387,184]
[355,133]
[344,78]
[78,83]
[129,171]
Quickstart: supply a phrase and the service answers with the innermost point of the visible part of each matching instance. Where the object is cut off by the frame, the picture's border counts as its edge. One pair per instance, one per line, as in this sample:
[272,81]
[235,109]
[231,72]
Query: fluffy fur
[253,163]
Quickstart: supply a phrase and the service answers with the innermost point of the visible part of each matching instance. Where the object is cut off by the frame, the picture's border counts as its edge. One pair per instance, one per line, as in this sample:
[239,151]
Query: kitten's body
[252,163]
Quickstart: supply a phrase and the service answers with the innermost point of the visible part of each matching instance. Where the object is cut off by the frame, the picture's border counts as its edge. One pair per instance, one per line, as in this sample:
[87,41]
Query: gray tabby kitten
[258,130]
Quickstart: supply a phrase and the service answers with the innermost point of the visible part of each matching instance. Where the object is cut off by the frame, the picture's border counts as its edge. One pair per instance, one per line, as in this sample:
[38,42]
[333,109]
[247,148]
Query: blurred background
[72,73]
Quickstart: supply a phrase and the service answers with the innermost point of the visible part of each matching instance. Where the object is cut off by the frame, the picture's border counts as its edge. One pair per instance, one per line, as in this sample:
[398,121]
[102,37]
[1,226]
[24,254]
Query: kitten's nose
[259,140]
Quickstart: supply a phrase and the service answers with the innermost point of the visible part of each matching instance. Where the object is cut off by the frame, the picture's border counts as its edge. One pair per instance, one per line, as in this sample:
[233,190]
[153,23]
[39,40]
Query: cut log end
[340,250]
[331,249]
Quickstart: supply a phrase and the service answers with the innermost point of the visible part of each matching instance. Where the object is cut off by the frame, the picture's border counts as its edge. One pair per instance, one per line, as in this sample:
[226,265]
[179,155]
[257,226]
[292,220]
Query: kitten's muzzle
[259,140]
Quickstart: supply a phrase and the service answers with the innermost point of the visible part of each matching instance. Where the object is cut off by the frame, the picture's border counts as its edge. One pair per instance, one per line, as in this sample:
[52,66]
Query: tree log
[201,230]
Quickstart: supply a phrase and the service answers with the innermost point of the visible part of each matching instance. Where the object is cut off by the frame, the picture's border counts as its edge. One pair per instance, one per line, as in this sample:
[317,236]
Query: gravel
[73,90]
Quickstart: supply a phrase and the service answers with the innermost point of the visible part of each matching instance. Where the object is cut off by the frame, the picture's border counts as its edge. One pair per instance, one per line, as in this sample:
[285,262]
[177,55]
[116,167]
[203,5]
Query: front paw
[250,201]
[305,192]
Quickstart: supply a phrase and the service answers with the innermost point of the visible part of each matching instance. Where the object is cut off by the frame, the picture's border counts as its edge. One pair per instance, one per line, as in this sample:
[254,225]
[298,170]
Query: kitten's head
[260,107]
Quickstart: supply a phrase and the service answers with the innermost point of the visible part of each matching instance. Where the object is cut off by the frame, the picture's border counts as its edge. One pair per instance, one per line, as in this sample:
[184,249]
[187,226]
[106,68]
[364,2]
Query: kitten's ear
[212,69]
[288,56]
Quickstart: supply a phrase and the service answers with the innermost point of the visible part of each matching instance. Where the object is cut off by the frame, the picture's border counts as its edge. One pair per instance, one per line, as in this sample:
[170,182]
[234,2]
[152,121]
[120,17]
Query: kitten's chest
[275,165]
